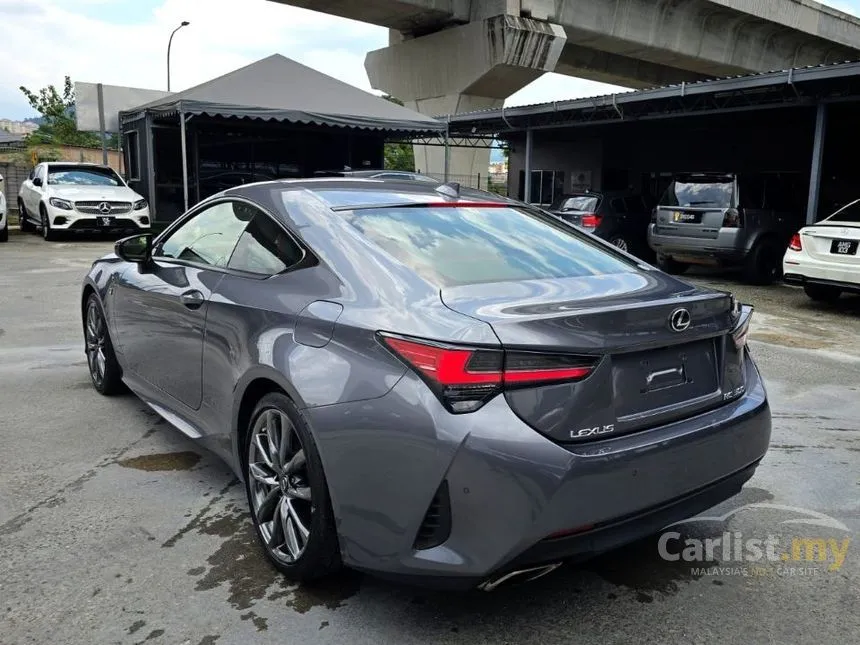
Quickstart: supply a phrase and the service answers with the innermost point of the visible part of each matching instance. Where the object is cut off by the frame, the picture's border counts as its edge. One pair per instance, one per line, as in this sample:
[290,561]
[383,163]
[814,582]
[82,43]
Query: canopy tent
[274,90]
[277,88]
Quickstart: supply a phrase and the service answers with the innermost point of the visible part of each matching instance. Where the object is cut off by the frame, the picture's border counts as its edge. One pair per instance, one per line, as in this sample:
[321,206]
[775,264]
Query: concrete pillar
[817,157]
[470,67]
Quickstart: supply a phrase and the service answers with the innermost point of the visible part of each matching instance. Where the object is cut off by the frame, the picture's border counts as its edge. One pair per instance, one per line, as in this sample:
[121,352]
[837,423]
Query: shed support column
[184,158]
[817,157]
[527,174]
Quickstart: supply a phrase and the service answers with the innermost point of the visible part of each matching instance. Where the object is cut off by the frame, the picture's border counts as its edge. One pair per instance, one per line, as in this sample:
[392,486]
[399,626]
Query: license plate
[686,218]
[104,221]
[844,247]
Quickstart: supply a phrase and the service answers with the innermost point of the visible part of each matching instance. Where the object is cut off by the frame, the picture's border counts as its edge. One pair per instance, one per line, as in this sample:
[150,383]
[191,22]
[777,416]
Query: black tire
[822,293]
[320,555]
[23,221]
[105,372]
[763,265]
[48,234]
[4,232]
[621,241]
[669,265]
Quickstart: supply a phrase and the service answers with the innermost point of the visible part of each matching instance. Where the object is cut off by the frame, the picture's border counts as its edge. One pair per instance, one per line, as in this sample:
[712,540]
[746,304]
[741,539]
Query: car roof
[82,164]
[341,192]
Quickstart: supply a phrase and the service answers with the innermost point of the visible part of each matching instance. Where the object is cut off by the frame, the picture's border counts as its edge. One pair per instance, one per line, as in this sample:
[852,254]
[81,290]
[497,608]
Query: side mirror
[137,248]
[37,181]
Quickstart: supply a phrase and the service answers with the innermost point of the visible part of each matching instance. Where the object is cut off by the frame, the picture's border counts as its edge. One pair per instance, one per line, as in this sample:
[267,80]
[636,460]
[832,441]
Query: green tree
[398,156]
[58,125]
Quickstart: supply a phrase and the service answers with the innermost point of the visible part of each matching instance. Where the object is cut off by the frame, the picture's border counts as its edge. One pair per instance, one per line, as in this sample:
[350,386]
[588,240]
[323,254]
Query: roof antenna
[451,189]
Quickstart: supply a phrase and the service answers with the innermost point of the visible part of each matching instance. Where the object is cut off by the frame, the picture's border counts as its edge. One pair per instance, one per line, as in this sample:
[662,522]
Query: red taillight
[795,244]
[732,219]
[466,378]
[590,220]
[444,365]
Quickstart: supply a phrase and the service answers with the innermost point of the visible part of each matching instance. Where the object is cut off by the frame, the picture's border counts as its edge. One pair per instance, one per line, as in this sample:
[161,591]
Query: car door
[160,307]
[31,194]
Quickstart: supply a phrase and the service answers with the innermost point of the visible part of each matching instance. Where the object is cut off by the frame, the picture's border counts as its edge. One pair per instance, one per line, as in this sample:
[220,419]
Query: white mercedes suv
[79,197]
[824,258]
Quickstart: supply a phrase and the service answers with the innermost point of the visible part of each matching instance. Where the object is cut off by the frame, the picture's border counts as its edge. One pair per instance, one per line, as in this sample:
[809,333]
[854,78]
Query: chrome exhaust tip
[530,574]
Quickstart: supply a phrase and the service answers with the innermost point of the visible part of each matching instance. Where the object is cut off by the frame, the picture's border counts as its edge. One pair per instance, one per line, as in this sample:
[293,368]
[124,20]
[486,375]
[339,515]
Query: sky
[123,42]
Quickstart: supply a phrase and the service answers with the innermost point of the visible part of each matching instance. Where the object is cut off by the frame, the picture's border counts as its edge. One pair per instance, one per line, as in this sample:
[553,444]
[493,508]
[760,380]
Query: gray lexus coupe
[434,385]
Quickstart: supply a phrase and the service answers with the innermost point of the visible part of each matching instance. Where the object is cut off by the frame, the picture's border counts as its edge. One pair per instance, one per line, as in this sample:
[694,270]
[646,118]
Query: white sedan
[824,258]
[61,196]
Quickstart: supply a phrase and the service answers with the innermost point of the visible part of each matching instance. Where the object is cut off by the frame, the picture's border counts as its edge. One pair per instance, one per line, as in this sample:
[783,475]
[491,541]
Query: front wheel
[4,233]
[822,293]
[47,232]
[287,492]
[105,371]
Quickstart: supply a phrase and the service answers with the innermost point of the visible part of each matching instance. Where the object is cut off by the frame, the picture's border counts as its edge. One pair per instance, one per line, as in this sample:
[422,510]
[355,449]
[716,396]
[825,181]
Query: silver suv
[724,219]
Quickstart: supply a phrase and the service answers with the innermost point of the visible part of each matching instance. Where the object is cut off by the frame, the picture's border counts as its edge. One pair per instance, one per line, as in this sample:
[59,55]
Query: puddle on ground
[640,568]
[185,460]
[240,565]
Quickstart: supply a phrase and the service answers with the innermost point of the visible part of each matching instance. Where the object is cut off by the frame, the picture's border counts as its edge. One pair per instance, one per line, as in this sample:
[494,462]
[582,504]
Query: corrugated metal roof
[743,81]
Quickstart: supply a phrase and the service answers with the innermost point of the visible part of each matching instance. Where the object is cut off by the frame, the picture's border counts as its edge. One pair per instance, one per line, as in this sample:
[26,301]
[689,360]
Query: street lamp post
[184,23]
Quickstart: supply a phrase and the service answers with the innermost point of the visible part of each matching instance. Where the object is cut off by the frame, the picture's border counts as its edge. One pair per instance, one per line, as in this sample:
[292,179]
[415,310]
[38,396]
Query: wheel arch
[87,291]
[250,389]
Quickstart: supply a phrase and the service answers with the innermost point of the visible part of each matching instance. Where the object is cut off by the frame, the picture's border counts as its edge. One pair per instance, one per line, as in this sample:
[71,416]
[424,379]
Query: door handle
[192,299]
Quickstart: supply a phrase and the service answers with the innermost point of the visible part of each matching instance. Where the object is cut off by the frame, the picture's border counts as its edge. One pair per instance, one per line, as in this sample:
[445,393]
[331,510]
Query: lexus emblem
[104,207]
[679,320]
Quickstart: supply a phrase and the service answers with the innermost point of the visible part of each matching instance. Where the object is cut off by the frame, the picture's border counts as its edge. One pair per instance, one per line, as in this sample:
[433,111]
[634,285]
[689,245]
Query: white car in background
[79,197]
[824,258]
[4,216]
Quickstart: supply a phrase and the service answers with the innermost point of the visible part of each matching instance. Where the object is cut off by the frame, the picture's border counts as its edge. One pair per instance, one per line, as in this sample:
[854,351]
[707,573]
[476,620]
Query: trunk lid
[646,373]
[837,242]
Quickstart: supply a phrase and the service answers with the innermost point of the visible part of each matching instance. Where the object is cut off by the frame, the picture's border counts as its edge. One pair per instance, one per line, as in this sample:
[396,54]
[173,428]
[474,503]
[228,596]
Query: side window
[265,248]
[42,173]
[210,236]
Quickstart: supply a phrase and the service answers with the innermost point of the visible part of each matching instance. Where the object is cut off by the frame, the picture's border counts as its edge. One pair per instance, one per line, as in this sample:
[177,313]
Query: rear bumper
[802,280]
[800,269]
[729,247]
[511,488]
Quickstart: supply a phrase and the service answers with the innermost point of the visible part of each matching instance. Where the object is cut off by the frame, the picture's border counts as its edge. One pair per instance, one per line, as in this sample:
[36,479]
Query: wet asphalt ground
[116,529]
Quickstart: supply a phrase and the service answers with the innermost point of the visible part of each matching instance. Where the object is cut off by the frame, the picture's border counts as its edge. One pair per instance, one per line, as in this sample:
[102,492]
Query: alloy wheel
[620,243]
[279,485]
[96,336]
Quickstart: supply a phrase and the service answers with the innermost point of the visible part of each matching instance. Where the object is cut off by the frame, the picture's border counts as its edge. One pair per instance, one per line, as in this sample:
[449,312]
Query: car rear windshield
[77,176]
[452,246]
[715,192]
[586,203]
[850,213]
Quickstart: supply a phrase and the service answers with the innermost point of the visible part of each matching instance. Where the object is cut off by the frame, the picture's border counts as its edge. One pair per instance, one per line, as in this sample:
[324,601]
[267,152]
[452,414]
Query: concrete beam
[615,69]
[403,15]
[491,58]
[699,36]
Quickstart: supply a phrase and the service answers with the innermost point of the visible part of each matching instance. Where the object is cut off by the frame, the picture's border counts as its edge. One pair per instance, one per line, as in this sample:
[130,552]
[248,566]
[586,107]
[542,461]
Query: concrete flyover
[452,56]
